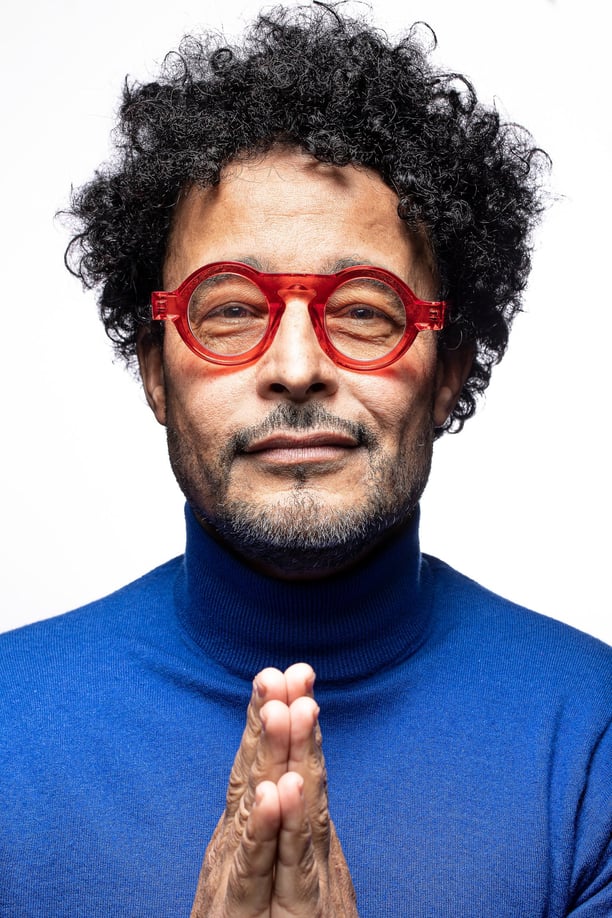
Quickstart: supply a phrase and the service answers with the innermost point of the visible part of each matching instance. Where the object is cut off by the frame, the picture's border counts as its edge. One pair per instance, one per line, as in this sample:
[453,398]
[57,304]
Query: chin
[302,534]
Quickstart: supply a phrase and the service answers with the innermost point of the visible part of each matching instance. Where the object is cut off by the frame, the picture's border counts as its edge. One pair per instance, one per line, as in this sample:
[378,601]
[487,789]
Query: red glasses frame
[314,290]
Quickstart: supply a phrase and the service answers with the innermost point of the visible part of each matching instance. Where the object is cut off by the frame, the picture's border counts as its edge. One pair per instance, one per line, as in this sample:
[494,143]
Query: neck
[345,625]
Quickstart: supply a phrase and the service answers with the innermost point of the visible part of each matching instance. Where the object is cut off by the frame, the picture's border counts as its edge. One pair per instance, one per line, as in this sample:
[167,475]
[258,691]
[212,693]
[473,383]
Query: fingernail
[259,689]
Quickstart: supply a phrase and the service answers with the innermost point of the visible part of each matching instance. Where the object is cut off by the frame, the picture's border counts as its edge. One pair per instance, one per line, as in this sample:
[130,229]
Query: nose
[295,366]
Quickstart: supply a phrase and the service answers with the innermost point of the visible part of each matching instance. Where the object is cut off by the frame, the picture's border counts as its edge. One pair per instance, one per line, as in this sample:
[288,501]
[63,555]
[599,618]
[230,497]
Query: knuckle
[316,764]
[244,759]
[258,770]
[318,777]
[242,862]
[241,873]
[235,790]
[320,824]
[239,822]
[253,722]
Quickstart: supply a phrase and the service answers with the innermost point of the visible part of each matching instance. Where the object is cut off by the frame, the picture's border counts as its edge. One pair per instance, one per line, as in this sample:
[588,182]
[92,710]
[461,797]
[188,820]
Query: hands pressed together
[275,852]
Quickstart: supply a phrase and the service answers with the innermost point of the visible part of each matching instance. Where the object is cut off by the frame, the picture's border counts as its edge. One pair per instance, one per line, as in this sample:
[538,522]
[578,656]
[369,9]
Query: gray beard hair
[302,536]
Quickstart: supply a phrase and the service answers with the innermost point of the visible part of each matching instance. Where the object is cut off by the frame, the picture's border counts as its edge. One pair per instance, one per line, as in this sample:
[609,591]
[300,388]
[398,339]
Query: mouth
[301,448]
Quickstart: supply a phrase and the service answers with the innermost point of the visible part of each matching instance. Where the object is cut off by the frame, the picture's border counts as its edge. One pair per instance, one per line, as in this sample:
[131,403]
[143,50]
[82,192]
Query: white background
[520,500]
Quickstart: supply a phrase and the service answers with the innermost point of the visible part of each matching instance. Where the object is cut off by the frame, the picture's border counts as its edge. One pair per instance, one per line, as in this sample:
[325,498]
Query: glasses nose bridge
[308,296]
[304,293]
[297,291]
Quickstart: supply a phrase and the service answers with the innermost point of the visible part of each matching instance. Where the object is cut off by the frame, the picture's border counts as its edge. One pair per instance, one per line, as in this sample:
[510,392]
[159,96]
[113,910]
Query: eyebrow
[330,268]
[250,261]
[346,263]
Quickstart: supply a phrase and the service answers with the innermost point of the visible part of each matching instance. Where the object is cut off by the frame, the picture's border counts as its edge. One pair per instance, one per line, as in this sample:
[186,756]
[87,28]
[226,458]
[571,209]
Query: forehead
[287,212]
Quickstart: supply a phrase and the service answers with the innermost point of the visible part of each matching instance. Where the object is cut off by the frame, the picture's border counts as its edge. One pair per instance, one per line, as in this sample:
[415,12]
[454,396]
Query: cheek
[400,397]
[201,398]
[197,410]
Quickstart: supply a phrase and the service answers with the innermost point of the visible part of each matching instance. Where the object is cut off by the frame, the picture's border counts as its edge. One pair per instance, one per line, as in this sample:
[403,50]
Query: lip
[302,442]
[319,450]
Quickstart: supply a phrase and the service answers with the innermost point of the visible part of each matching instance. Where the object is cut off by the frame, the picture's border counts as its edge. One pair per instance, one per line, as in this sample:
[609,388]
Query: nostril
[278,387]
[317,387]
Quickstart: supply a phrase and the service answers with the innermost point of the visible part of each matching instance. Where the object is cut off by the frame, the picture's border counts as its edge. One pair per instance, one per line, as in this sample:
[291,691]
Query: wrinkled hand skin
[275,852]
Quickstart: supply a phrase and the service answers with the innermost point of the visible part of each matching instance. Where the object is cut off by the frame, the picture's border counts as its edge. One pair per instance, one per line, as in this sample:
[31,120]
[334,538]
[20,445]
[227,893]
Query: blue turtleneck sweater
[469,764]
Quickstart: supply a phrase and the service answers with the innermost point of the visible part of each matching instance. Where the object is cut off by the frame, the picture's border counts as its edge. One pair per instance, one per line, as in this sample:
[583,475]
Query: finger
[268,684]
[300,680]
[305,736]
[245,838]
[306,759]
[272,751]
[296,883]
[251,877]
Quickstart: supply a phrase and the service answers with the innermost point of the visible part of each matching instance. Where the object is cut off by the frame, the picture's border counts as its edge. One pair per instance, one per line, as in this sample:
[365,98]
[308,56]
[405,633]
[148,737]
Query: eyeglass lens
[364,318]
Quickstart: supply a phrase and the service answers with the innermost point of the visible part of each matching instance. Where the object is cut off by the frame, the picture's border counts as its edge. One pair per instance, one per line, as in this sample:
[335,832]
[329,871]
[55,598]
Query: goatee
[300,535]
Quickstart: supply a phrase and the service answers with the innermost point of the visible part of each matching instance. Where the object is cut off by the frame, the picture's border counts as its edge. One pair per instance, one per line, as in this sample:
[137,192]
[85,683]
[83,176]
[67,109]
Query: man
[333,239]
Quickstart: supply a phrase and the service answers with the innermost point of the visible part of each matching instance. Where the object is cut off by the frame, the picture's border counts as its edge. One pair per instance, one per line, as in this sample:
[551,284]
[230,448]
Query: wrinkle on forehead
[293,179]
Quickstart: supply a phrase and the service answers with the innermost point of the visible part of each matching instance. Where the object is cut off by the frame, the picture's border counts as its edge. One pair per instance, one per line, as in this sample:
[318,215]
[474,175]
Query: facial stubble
[300,534]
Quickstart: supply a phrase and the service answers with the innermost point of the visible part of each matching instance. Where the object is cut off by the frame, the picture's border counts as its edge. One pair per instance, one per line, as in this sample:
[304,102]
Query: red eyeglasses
[364,318]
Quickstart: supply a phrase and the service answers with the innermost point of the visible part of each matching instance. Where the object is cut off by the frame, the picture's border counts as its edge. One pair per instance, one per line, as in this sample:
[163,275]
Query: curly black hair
[340,90]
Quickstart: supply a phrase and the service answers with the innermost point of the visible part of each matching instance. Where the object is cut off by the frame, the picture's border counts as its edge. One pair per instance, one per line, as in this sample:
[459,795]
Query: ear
[151,363]
[453,369]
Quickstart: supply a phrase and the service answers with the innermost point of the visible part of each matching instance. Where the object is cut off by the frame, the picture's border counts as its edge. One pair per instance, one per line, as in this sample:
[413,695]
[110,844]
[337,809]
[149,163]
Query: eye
[364,318]
[228,314]
[226,300]
[361,312]
[231,311]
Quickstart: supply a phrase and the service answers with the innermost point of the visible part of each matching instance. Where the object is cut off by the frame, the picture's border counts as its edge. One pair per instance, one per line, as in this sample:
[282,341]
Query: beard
[300,535]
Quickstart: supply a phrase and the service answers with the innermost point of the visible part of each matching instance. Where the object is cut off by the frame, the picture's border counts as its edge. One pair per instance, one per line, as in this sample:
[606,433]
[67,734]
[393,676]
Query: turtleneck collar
[346,626]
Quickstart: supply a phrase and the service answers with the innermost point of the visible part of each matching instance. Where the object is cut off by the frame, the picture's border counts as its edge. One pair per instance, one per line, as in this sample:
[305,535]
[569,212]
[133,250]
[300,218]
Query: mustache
[310,417]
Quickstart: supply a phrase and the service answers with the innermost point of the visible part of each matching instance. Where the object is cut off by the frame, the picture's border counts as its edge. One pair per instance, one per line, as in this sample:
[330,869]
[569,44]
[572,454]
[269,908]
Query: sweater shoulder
[141,600]
[492,628]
